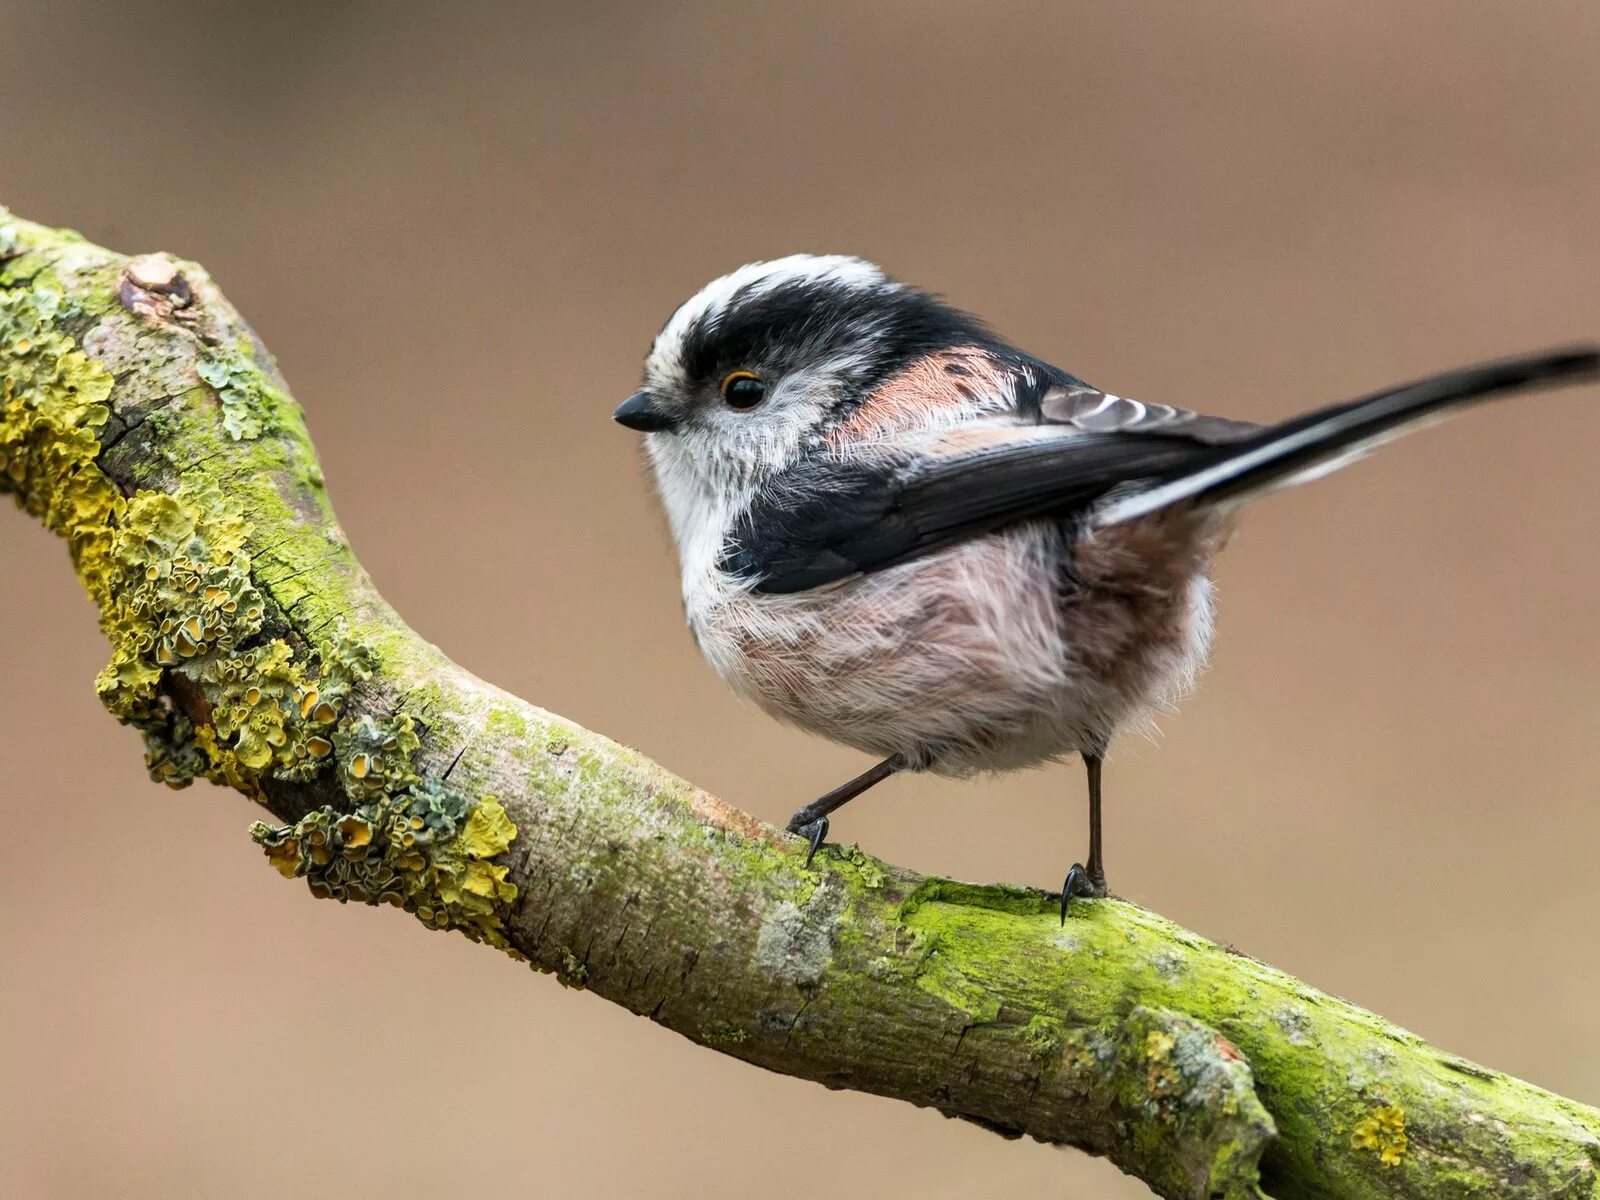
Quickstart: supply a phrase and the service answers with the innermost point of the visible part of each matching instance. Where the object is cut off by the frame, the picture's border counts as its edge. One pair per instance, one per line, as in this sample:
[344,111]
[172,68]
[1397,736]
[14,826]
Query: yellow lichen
[375,757]
[1382,1131]
[1161,1077]
[273,713]
[489,831]
[427,848]
[52,406]
[168,572]
[178,592]
[171,575]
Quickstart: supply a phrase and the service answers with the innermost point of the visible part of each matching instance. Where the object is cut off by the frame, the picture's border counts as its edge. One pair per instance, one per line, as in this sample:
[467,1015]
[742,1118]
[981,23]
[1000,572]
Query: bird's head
[758,364]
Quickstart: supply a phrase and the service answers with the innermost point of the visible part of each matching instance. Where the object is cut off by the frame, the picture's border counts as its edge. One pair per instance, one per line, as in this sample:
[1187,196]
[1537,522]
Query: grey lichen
[1184,1085]
[795,943]
[249,400]
[1292,1020]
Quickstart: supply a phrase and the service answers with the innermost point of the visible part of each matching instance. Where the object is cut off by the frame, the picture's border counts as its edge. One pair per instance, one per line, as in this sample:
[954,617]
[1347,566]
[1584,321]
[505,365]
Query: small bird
[901,532]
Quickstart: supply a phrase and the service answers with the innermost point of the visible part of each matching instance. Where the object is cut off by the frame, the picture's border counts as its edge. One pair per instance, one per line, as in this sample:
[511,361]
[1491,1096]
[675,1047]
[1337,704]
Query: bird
[901,532]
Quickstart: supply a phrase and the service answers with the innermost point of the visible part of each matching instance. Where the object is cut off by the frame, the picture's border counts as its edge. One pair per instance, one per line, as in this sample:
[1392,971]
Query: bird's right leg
[812,820]
[1088,882]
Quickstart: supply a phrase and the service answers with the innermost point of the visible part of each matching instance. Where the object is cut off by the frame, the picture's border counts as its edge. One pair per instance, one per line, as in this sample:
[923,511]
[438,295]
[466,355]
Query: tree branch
[142,420]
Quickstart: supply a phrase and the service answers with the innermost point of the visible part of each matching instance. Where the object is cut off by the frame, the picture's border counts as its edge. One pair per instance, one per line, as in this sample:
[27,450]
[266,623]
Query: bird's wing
[834,516]
[1078,454]
[1090,410]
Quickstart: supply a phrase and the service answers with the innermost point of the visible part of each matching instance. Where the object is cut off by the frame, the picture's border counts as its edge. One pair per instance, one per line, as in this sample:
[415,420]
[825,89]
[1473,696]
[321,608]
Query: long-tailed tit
[901,532]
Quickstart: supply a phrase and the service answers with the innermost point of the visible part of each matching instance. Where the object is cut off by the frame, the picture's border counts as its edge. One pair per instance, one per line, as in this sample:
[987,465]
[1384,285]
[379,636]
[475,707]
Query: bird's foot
[1080,882]
[813,830]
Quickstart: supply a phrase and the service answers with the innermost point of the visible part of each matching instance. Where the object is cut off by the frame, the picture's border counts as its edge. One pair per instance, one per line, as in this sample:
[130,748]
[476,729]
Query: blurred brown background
[458,230]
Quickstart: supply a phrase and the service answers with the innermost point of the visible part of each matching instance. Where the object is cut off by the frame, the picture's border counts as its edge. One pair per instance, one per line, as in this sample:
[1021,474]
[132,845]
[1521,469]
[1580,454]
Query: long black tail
[1315,443]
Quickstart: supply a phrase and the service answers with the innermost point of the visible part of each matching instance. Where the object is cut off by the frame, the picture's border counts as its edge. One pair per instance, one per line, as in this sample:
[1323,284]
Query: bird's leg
[812,820]
[1097,865]
[1088,882]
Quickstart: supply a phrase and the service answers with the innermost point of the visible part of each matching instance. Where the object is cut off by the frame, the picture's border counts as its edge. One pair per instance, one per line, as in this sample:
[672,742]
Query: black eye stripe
[801,322]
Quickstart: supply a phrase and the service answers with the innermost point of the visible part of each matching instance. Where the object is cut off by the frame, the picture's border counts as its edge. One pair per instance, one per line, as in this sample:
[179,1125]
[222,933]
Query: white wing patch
[1094,411]
[1143,503]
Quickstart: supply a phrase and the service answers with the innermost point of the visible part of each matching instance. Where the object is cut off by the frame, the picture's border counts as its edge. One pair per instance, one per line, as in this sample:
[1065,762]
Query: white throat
[699,509]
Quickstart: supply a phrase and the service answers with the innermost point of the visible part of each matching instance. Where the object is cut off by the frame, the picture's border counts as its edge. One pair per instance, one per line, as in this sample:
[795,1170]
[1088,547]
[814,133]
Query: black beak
[639,412]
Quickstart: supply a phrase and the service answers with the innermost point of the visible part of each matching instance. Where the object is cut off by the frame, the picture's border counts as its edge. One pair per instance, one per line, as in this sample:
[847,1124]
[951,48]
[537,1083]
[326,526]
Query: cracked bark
[1197,1069]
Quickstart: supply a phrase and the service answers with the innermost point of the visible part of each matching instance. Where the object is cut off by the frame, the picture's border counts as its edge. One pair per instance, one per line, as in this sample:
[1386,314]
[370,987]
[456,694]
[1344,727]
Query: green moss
[942,976]
[573,972]
[1042,1037]
[723,1033]
[506,723]
[993,897]
[868,869]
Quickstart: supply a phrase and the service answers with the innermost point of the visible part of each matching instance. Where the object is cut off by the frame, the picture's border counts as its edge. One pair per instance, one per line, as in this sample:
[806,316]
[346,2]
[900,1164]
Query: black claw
[815,831]
[1080,883]
[812,820]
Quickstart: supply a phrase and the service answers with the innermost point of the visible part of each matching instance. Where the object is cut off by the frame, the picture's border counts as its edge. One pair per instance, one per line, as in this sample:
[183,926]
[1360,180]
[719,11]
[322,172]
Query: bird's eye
[741,389]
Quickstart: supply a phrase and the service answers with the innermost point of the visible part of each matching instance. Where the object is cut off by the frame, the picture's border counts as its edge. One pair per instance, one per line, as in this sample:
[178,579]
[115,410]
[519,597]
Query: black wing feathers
[817,524]
[830,518]
[1272,455]
[826,520]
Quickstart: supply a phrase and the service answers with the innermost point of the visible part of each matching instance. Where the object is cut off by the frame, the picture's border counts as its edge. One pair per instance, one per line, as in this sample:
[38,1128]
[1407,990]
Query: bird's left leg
[812,820]
[1088,881]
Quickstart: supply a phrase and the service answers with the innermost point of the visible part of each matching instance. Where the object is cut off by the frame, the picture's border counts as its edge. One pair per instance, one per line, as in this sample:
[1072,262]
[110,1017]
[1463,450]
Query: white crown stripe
[711,301]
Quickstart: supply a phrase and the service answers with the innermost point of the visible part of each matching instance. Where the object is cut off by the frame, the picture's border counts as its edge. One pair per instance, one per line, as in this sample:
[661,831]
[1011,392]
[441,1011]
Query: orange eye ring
[743,389]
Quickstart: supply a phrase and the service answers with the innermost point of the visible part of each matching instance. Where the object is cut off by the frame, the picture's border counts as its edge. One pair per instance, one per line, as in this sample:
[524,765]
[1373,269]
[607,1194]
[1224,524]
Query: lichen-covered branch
[142,420]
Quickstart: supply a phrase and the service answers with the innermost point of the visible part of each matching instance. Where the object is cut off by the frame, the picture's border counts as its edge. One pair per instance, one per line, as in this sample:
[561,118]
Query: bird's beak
[639,412]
